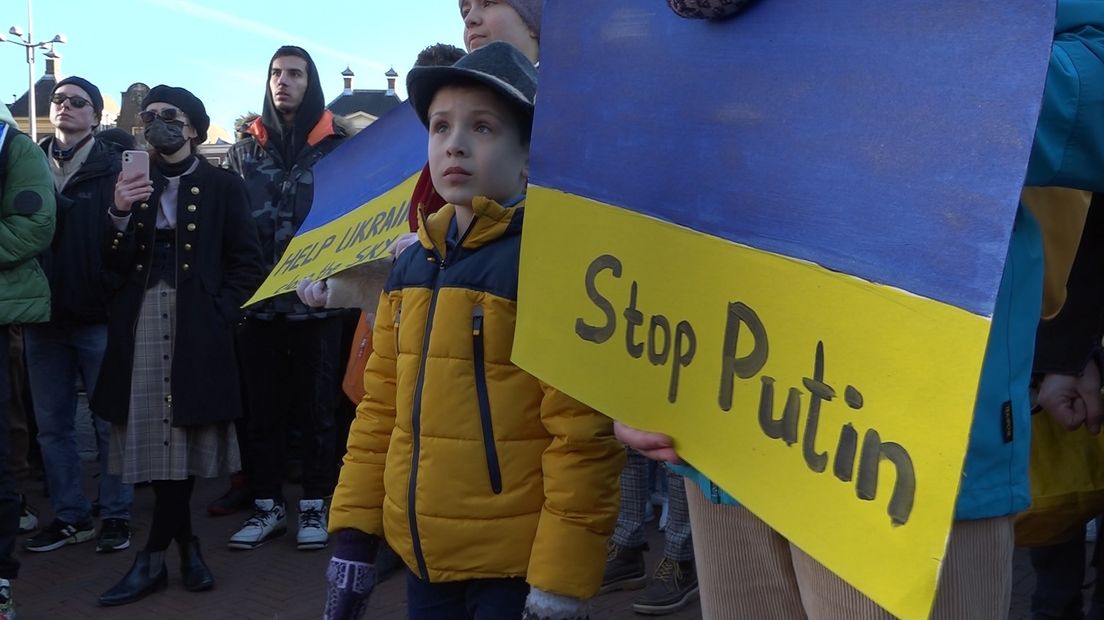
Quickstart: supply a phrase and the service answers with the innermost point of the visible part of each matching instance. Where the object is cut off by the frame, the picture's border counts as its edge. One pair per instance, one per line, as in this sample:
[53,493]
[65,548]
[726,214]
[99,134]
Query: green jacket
[27,211]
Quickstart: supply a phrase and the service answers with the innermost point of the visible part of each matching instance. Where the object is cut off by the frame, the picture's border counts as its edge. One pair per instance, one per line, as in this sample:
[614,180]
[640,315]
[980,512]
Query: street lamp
[30,45]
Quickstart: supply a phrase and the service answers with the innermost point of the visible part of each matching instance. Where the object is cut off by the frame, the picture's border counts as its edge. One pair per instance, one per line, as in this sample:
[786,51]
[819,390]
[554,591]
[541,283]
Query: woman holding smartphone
[182,256]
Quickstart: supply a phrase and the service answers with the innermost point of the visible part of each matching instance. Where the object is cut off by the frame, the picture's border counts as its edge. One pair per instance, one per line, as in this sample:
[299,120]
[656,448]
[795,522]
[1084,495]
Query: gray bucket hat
[499,66]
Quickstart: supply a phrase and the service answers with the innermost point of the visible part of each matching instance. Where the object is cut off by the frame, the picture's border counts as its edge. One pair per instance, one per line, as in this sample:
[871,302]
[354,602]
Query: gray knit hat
[529,10]
[497,65]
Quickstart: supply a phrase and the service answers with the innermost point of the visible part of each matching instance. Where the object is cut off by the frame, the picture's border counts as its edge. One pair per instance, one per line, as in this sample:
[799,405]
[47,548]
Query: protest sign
[361,194]
[779,239]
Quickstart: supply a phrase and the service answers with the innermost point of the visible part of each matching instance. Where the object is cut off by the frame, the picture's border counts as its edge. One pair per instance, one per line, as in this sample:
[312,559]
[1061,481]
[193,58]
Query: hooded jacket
[27,211]
[277,164]
[471,467]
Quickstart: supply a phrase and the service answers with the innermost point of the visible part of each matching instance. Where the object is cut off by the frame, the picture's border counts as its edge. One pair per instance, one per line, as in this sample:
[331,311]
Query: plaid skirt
[148,446]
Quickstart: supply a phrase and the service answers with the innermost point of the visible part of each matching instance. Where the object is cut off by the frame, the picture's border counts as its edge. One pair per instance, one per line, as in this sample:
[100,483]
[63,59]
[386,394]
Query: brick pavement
[274,582]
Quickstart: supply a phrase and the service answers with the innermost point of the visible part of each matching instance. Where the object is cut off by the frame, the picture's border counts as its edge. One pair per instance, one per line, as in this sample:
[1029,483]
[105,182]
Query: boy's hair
[497,66]
[439,55]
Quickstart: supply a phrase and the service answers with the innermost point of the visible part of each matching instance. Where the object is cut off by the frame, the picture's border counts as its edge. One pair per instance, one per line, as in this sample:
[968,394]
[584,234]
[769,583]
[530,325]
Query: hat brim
[423,83]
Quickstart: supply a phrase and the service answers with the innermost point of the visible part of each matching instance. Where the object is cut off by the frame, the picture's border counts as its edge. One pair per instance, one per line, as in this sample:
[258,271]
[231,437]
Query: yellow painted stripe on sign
[360,236]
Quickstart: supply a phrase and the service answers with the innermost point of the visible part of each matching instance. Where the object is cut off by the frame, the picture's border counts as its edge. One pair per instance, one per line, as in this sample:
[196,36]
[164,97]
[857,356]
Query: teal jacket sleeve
[1069,140]
[27,210]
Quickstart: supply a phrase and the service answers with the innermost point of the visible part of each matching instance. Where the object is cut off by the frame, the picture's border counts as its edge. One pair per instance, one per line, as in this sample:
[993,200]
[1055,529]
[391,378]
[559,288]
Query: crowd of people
[502,496]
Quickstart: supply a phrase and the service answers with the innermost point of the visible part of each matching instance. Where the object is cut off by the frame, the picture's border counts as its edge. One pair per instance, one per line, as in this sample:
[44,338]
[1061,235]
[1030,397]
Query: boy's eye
[440,127]
[483,128]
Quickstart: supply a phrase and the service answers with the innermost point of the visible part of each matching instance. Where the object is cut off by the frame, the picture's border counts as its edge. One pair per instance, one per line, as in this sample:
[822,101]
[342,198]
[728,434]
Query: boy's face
[486,21]
[475,147]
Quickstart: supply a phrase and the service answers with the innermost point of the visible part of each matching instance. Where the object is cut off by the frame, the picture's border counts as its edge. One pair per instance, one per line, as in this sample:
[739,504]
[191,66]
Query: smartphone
[135,162]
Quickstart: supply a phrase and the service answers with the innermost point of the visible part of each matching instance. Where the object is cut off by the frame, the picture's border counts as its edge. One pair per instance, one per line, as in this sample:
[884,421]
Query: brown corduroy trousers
[746,570]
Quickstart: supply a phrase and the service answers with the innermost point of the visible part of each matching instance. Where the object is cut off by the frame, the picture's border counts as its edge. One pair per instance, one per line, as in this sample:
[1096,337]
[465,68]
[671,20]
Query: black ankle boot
[197,577]
[146,575]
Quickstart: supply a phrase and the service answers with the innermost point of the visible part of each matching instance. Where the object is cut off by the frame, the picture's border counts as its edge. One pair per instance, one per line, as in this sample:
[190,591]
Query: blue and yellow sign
[779,239]
[361,202]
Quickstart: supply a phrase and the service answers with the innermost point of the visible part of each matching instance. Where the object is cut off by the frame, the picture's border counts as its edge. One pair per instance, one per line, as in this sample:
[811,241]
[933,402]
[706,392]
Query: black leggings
[172,518]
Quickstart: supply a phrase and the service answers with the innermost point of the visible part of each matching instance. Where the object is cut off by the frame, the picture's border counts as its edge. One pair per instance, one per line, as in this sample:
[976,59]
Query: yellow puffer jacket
[470,466]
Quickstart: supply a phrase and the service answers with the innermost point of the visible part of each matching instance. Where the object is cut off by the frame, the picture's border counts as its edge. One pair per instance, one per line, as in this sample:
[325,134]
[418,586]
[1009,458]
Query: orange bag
[353,382]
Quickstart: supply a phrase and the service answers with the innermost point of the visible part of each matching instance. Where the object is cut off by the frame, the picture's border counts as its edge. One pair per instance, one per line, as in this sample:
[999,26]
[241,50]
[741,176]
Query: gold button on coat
[185,266]
[191,227]
[191,208]
[187,247]
[195,191]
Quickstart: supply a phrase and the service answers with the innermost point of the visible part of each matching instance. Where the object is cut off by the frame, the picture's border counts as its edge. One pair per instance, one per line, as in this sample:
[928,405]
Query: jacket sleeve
[582,469]
[1069,140]
[243,266]
[28,212]
[358,499]
[120,251]
[233,160]
[1064,343]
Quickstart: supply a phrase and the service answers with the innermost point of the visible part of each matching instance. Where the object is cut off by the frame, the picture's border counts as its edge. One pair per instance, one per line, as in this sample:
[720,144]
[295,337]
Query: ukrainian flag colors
[779,239]
[360,204]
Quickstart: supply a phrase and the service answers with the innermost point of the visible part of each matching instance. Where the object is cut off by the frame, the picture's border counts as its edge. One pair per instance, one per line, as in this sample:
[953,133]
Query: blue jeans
[55,354]
[476,599]
[9,499]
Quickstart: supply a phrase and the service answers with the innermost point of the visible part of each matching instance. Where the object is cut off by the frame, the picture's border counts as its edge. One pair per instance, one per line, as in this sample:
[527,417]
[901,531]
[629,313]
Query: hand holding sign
[656,446]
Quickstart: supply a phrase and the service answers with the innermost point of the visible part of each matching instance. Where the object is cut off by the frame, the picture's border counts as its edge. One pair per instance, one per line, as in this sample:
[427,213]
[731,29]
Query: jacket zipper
[489,446]
[416,414]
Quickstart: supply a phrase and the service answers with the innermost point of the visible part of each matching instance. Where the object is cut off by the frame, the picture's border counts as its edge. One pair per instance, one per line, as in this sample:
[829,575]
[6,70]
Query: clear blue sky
[220,50]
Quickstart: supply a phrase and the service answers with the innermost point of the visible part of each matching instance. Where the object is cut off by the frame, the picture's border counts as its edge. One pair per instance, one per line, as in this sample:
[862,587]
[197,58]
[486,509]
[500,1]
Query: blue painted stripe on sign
[383,155]
[888,141]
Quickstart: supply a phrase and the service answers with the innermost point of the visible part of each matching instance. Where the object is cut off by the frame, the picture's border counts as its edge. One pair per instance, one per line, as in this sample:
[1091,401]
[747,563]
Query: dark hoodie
[277,164]
[288,141]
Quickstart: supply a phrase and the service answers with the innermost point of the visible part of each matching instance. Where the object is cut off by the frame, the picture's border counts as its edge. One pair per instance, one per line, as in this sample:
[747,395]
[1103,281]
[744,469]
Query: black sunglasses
[168,114]
[76,101]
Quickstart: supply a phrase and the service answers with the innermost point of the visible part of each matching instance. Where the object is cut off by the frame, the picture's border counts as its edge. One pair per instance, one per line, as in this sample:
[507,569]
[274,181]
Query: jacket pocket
[398,318]
[489,446]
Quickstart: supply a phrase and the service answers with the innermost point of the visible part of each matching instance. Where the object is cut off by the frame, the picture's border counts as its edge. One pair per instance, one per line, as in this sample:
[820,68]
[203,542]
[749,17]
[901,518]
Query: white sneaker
[7,606]
[312,524]
[266,523]
[28,517]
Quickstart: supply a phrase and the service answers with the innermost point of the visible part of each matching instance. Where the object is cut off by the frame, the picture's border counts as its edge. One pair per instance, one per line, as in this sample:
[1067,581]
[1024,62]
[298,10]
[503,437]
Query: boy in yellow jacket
[498,491]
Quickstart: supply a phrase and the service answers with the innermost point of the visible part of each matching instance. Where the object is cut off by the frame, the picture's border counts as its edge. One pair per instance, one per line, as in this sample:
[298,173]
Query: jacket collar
[323,129]
[492,221]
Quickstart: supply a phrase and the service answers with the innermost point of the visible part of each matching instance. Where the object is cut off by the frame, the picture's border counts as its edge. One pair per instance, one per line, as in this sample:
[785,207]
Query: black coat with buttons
[218,267]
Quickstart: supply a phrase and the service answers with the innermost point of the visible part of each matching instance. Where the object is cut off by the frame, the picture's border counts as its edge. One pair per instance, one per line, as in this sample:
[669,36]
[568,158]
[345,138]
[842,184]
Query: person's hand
[129,190]
[1073,400]
[656,446]
[349,583]
[402,243]
[699,9]
[351,574]
[313,294]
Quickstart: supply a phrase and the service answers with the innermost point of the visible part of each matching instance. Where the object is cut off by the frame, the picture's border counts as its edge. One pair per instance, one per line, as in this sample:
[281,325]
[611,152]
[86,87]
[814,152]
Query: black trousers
[9,497]
[291,371]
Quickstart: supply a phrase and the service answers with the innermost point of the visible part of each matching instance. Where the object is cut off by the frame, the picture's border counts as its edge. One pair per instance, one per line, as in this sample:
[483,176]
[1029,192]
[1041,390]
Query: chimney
[348,75]
[53,68]
[391,77]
